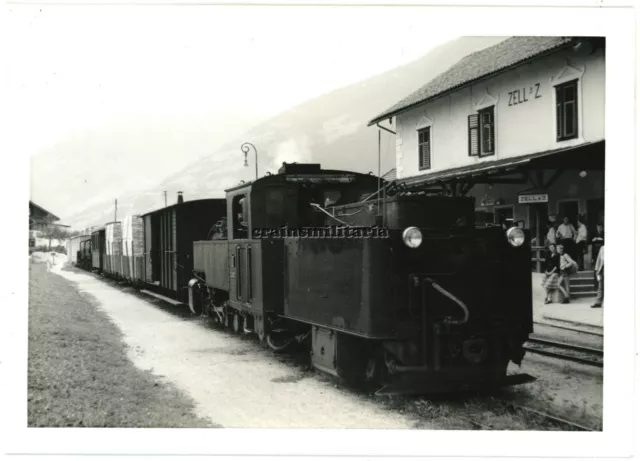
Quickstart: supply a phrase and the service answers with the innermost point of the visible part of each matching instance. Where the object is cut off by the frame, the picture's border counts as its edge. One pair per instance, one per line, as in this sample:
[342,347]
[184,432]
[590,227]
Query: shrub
[45,249]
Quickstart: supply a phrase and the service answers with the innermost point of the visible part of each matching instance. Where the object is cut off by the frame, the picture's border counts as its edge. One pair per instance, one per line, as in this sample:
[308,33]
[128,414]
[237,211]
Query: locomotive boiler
[401,291]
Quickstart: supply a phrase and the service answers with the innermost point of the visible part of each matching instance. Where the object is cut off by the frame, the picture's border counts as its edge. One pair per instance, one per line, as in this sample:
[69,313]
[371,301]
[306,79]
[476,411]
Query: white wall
[520,129]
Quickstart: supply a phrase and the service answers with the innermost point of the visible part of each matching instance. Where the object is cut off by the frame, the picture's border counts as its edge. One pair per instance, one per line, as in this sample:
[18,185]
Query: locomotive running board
[419,385]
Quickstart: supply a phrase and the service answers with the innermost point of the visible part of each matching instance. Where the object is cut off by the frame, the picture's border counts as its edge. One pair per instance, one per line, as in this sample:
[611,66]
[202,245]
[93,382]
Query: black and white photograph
[320,217]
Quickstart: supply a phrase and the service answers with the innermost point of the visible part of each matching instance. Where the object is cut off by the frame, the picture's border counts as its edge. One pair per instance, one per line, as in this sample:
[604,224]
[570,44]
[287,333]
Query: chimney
[180,197]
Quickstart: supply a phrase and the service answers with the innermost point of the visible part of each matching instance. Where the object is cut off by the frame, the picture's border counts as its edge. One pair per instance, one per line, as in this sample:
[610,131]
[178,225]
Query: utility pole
[115,214]
[165,199]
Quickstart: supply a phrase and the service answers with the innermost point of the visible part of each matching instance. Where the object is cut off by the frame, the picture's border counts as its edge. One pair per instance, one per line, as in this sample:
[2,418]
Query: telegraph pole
[165,199]
[115,214]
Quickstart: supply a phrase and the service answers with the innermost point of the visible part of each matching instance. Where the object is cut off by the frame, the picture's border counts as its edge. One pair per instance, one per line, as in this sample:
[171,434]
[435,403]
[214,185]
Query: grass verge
[79,373]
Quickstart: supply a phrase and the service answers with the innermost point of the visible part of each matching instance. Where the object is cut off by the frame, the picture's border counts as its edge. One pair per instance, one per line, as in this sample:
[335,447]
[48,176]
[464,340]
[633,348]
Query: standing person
[566,235]
[552,275]
[551,234]
[567,267]
[581,242]
[597,242]
[600,277]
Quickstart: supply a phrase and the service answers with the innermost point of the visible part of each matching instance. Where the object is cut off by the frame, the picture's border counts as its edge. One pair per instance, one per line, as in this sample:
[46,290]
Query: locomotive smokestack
[180,198]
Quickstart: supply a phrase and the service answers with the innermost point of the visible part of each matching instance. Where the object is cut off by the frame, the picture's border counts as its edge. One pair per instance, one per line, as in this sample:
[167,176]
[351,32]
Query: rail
[565,351]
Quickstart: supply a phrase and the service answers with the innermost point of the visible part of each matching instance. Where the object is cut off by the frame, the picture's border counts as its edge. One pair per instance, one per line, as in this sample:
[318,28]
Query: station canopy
[513,170]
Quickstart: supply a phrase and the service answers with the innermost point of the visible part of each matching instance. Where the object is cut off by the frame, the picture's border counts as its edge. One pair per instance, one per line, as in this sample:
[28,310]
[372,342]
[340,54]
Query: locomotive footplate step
[163,298]
[424,384]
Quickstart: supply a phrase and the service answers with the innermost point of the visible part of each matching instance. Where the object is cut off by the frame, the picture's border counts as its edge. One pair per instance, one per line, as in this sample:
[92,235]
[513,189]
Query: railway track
[565,351]
[543,415]
[582,331]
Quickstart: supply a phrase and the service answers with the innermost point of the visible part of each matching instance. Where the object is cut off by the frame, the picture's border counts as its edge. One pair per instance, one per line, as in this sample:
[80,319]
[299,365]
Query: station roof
[44,212]
[476,66]
[587,156]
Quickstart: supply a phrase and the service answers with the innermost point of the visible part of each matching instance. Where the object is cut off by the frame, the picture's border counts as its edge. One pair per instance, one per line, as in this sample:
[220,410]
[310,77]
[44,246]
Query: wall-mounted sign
[524,94]
[533,198]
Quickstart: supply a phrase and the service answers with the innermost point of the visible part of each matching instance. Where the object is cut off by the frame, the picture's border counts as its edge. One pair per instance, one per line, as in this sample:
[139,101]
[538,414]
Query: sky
[162,86]
[73,68]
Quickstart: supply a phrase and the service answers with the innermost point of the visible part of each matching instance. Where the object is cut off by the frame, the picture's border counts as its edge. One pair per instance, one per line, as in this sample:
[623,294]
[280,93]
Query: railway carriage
[98,248]
[73,247]
[83,256]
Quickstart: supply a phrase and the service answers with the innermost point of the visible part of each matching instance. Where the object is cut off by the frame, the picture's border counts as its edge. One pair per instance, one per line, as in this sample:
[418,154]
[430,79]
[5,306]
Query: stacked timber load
[113,237]
[132,247]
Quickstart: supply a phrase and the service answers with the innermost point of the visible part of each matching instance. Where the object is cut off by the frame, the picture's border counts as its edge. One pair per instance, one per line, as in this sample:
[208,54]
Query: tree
[52,231]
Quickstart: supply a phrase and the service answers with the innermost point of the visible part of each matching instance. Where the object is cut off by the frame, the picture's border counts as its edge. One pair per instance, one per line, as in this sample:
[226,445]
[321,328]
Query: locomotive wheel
[238,323]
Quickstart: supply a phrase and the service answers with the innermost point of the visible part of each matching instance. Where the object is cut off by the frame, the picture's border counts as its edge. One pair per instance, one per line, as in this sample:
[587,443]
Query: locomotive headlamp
[515,236]
[412,237]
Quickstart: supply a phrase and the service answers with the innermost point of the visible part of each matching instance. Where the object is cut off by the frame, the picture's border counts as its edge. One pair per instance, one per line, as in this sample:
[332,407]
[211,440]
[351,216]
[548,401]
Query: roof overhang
[49,216]
[392,113]
[588,156]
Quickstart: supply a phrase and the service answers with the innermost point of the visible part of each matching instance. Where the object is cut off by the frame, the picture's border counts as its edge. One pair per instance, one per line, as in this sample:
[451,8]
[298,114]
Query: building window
[482,133]
[567,111]
[424,148]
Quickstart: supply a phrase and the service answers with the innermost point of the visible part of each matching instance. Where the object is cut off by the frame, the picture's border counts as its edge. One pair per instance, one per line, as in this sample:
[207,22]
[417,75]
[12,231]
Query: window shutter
[426,155]
[474,147]
[487,131]
[424,149]
[559,133]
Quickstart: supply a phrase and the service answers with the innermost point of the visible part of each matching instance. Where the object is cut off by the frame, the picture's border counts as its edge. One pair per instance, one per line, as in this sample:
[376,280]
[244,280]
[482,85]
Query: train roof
[300,171]
[186,202]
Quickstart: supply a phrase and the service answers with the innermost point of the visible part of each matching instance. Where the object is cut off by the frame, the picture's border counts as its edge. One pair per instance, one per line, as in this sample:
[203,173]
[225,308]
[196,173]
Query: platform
[578,312]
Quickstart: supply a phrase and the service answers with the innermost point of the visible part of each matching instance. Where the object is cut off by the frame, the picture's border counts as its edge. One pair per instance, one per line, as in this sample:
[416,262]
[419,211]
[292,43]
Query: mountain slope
[330,129]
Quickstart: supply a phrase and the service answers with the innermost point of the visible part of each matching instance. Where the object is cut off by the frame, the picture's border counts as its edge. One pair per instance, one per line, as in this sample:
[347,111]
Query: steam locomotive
[383,286]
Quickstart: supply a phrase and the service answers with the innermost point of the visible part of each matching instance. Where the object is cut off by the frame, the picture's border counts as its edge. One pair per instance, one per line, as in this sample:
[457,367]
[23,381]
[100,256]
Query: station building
[519,126]
[39,221]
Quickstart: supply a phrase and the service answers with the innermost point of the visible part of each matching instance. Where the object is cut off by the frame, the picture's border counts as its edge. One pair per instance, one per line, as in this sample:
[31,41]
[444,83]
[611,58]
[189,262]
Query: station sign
[533,198]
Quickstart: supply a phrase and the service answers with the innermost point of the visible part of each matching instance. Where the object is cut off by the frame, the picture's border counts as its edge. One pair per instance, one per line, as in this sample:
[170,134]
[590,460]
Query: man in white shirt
[551,234]
[566,235]
[581,242]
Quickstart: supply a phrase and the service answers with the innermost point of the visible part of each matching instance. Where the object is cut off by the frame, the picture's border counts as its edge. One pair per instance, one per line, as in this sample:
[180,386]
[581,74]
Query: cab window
[240,211]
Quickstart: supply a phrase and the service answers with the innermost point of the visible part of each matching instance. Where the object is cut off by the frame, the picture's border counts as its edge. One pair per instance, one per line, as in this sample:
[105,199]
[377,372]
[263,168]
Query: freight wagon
[168,235]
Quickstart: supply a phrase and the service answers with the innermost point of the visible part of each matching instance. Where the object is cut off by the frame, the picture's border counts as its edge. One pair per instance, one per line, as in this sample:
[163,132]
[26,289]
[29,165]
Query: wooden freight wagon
[98,243]
[113,240]
[169,234]
[132,247]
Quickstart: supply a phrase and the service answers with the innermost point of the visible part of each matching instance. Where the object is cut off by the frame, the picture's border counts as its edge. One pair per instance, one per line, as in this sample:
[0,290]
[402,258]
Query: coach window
[240,217]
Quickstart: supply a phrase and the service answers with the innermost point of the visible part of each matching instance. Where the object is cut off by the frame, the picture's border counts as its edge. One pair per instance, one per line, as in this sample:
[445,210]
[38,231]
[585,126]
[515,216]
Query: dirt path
[233,381]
